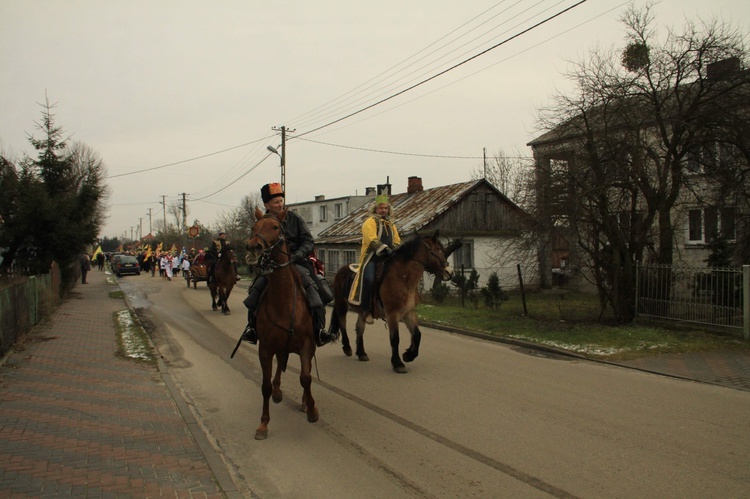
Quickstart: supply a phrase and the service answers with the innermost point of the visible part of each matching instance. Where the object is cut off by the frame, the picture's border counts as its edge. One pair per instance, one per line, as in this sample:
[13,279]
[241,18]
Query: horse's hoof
[347,351]
[261,434]
[409,356]
[313,416]
[400,369]
[277,397]
[363,358]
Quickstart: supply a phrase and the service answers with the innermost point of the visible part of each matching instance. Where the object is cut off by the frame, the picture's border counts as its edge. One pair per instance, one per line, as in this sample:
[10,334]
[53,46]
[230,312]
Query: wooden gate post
[746,301]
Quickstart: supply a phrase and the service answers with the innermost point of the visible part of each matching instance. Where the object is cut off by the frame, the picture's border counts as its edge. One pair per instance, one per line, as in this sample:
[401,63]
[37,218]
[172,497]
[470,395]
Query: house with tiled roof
[475,211]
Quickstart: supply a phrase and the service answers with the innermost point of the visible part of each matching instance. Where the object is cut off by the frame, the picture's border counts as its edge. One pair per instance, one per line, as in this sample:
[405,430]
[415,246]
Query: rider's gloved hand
[298,257]
[384,250]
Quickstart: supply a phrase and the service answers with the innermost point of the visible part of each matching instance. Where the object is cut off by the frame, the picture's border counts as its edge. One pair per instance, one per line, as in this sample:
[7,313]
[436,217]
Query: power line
[188,160]
[381,101]
[372,81]
[391,152]
[392,96]
[425,68]
[235,180]
[490,66]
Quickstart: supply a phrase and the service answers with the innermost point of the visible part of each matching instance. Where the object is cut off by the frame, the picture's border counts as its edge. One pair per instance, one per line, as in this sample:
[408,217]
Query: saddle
[376,303]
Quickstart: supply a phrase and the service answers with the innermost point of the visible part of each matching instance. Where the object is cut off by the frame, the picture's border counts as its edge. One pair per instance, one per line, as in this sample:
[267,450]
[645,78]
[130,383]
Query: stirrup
[324,337]
[250,335]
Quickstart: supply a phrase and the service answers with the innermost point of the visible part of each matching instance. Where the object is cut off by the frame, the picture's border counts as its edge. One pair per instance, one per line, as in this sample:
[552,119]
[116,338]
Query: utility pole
[149,222]
[484,155]
[140,228]
[283,130]
[184,213]
[164,208]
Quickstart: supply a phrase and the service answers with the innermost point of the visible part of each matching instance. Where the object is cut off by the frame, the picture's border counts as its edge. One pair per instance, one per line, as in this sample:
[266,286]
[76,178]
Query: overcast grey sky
[151,83]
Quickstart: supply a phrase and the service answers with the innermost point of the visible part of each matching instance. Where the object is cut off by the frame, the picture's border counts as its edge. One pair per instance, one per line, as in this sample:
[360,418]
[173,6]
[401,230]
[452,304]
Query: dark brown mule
[284,323]
[398,295]
[223,281]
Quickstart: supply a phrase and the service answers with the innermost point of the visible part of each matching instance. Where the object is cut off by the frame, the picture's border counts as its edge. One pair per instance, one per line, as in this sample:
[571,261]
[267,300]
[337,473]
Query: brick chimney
[415,185]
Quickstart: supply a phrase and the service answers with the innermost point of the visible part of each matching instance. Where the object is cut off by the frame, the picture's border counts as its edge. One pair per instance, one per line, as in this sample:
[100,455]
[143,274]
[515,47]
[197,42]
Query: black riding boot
[322,336]
[250,334]
[252,301]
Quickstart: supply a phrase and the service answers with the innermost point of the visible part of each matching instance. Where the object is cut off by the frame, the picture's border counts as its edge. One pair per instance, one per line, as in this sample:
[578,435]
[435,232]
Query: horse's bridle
[266,262]
[442,263]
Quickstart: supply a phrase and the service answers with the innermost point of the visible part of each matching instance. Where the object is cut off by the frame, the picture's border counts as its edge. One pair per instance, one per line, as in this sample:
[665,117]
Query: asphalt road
[471,418]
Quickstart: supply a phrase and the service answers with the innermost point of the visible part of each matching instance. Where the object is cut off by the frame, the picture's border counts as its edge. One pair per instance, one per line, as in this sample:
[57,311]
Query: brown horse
[398,296]
[223,281]
[284,323]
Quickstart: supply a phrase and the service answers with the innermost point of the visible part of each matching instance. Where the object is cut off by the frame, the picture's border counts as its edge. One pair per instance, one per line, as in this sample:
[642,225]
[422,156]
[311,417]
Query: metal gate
[718,297]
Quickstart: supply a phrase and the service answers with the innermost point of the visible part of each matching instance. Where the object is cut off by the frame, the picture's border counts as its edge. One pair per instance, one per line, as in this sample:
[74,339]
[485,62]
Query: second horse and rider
[381,237]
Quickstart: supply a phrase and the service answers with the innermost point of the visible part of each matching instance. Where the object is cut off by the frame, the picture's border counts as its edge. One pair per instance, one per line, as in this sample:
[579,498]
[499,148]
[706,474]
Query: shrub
[439,292]
[493,294]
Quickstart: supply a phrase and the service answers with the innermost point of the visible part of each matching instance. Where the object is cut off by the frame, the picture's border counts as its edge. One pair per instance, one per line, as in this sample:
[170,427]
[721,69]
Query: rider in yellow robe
[379,238]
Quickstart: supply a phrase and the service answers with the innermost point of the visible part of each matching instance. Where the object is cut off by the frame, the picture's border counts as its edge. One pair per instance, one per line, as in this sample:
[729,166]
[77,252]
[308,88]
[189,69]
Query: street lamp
[283,169]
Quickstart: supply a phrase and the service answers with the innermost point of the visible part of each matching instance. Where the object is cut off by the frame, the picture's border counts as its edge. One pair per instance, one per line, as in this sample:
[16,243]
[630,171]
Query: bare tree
[175,211]
[613,164]
[509,174]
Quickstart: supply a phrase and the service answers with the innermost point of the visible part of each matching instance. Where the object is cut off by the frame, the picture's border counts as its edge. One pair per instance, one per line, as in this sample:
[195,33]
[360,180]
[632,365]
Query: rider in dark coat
[214,252]
[300,245]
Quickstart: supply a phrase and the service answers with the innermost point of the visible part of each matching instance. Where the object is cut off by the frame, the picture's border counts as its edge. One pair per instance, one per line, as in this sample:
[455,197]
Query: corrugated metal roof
[411,211]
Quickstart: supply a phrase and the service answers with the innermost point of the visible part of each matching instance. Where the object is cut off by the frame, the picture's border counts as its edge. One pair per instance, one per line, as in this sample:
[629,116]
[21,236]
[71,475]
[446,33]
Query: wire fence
[716,297]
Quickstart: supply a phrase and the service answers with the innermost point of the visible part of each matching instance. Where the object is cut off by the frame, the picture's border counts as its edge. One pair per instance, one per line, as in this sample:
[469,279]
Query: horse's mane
[407,249]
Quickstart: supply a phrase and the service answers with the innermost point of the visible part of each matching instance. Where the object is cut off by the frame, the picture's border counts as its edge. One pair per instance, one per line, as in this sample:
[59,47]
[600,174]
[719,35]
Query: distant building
[321,213]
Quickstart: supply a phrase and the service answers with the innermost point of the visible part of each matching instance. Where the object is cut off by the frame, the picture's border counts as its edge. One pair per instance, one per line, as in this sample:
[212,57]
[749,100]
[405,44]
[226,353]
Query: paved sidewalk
[729,368]
[76,420]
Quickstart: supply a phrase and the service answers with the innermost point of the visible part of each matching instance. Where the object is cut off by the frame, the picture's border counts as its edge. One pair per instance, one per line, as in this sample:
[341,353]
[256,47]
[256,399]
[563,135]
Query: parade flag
[158,248]
[98,250]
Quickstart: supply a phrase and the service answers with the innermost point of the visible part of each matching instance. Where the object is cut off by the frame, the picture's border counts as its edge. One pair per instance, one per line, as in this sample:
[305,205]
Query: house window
[705,224]
[333,261]
[350,256]
[629,222]
[323,214]
[338,211]
[464,256]
[709,156]
[695,226]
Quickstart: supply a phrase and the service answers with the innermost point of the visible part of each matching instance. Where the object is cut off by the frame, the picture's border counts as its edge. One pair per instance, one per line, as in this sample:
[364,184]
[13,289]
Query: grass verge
[132,340]
[589,338]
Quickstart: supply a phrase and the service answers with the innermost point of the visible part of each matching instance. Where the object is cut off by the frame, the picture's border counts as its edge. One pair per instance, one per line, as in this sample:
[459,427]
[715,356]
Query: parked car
[126,264]
[113,260]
